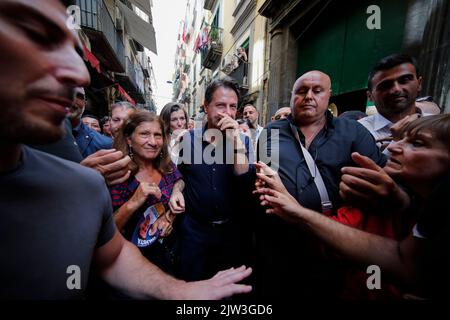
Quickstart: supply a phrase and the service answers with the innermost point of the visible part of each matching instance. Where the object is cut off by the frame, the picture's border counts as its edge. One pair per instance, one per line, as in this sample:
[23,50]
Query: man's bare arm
[398,259]
[121,264]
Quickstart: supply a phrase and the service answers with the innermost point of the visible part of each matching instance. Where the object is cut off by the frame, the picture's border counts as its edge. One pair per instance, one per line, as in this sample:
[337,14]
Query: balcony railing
[186,97]
[240,74]
[130,80]
[95,17]
[131,73]
[214,49]
[120,48]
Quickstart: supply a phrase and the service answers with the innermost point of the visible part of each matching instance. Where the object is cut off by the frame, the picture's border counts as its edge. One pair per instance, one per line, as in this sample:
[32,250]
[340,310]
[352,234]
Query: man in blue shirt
[289,260]
[89,141]
[216,165]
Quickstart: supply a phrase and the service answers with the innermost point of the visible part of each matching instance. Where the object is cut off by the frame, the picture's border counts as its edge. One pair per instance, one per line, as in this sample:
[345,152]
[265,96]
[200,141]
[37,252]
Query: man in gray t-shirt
[50,228]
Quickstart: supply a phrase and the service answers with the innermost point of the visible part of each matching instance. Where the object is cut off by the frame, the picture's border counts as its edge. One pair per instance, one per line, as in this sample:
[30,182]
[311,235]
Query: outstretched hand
[369,186]
[267,177]
[398,126]
[274,195]
[281,203]
[111,164]
[223,284]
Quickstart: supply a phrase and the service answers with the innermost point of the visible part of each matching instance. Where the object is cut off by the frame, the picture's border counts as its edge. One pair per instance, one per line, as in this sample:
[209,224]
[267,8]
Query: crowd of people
[150,206]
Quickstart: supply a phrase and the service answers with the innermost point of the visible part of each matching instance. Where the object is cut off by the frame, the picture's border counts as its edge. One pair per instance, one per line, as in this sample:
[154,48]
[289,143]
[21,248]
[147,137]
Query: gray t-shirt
[53,215]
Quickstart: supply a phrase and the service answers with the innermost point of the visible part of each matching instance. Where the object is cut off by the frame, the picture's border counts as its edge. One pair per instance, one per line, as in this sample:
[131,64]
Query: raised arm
[176,202]
[397,259]
[370,188]
[121,264]
[124,213]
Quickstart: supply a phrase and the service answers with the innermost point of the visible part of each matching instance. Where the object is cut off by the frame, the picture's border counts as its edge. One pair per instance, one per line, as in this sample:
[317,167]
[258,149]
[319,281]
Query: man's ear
[205,107]
[369,95]
[419,80]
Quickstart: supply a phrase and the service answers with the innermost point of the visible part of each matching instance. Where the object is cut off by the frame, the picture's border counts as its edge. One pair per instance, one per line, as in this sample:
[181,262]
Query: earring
[161,154]
[130,151]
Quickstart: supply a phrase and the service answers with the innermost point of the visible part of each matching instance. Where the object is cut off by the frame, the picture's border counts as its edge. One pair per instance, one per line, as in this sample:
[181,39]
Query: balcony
[129,82]
[131,72]
[106,42]
[186,68]
[213,52]
[240,74]
[186,96]
[176,88]
[209,4]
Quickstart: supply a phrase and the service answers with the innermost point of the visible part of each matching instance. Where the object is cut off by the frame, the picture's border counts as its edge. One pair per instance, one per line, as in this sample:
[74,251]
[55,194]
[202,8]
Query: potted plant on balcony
[214,36]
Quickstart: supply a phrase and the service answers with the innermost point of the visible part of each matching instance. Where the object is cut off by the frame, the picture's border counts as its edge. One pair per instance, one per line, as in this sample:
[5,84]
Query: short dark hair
[226,82]
[250,103]
[90,115]
[353,115]
[68,3]
[390,62]
[105,119]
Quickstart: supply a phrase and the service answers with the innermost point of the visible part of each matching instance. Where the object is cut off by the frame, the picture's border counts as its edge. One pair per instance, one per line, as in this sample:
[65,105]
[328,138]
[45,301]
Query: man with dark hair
[89,141]
[212,189]
[393,85]
[91,121]
[50,236]
[225,83]
[105,125]
[251,114]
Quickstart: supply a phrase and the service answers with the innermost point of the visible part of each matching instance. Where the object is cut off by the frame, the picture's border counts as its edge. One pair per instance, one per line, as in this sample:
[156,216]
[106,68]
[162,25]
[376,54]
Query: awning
[89,56]
[138,29]
[144,5]
[125,95]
